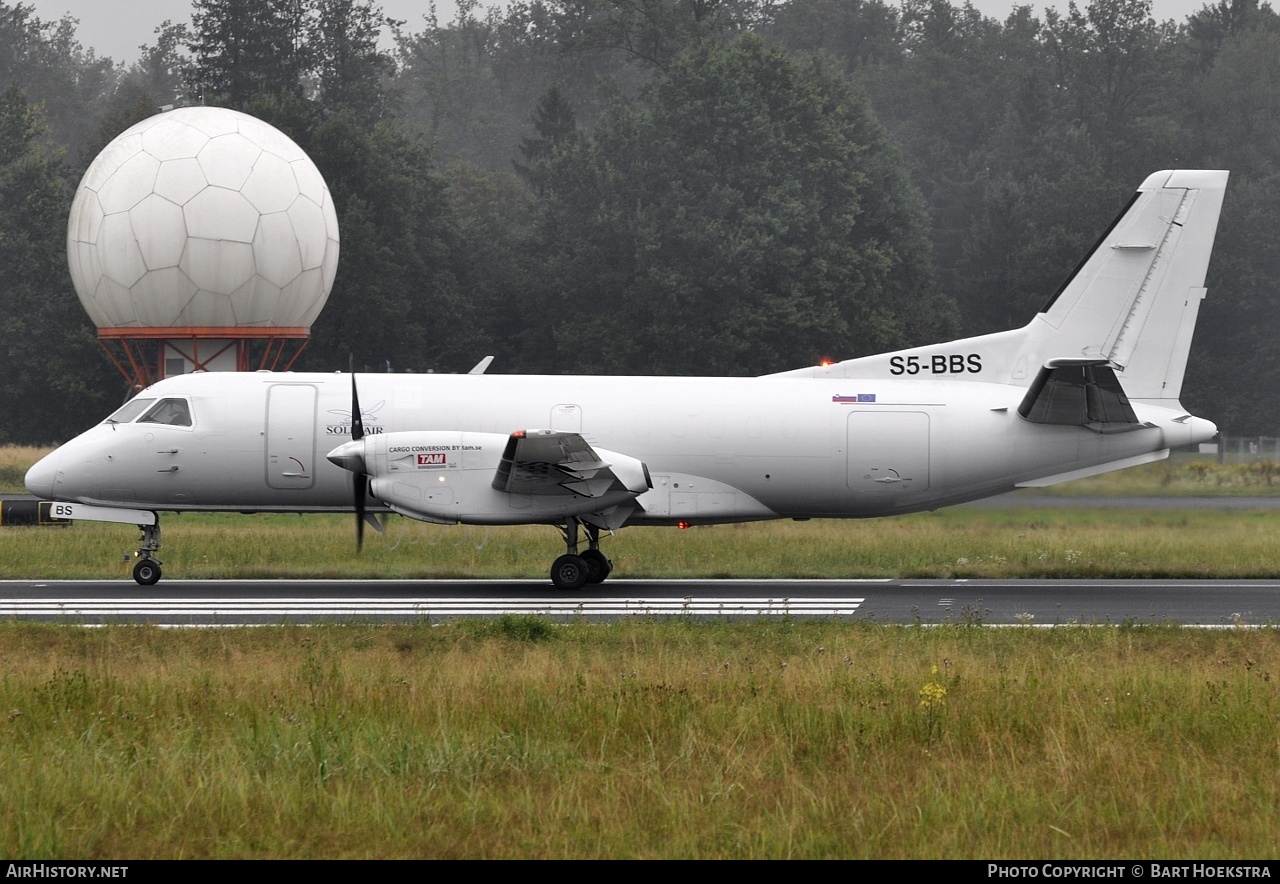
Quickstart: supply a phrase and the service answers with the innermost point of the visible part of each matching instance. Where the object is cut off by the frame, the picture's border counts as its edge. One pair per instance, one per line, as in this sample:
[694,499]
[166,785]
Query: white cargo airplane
[1090,385]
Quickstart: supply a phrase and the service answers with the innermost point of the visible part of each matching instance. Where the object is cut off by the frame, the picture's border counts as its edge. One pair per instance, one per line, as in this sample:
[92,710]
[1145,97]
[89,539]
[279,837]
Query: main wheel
[598,566]
[569,572]
[147,572]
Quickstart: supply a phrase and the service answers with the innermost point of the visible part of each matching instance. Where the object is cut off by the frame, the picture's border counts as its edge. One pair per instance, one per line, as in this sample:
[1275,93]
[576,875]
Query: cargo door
[888,451]
[291,436]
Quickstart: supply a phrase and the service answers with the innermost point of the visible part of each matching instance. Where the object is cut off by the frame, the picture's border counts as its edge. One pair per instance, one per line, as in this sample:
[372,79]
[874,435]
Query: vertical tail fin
[1130,304]
[1134,300]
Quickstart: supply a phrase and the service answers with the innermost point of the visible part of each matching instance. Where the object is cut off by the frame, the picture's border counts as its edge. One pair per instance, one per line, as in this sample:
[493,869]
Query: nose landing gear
[147,569]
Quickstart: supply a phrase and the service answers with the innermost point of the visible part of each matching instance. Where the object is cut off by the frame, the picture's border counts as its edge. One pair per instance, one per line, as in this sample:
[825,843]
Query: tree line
[672,186]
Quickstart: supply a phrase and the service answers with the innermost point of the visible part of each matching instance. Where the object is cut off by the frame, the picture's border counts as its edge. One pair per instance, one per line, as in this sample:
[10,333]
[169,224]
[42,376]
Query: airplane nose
[42,477]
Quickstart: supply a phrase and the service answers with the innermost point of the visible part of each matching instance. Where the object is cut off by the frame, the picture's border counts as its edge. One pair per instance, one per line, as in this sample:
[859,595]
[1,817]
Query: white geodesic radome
[202,217]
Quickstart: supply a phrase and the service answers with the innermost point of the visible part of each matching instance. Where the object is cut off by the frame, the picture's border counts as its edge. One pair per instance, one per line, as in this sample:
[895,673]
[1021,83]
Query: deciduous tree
[751,216]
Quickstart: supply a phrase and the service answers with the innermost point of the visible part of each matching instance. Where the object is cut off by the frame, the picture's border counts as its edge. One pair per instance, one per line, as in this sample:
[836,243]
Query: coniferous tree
[53,377]
[751,217]
[241,48]
[350,69]
[555,123]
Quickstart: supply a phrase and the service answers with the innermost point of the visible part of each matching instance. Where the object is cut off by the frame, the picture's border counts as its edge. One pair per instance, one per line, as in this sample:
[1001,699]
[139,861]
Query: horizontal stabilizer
[1100,469]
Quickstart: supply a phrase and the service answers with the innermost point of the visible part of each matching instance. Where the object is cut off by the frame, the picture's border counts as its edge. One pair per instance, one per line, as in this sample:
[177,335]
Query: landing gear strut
[147,569]
[572,571]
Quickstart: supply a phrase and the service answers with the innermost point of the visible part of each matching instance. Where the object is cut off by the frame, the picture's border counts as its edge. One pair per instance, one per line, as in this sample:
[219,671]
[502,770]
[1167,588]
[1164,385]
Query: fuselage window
[174,412]
[129,411]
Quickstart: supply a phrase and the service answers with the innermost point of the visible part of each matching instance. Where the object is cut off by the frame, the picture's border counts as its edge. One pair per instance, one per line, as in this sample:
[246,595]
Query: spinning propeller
[350,456]
[361,483]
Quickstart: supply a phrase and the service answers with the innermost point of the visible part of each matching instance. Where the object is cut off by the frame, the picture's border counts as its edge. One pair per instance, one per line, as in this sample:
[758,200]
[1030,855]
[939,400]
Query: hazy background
[617,193]
[117,29]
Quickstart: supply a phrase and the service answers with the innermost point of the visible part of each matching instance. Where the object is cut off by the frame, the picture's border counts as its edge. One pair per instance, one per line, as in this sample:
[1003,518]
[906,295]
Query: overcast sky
[118,27]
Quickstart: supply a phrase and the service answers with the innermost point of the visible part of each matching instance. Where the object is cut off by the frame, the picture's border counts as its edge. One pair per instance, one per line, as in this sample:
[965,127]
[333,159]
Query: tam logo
[431,460]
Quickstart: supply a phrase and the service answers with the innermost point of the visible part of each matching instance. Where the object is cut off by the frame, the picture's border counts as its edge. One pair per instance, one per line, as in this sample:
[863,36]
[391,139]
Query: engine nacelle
[447,476]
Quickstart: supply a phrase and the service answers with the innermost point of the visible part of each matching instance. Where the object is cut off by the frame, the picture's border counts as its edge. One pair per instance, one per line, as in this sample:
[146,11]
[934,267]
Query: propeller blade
[361,481]
[361,486]
[357,419]
[351,456]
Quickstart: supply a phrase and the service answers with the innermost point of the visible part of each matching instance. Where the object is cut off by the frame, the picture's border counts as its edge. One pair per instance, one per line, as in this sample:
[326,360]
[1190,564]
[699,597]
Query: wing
[552,462]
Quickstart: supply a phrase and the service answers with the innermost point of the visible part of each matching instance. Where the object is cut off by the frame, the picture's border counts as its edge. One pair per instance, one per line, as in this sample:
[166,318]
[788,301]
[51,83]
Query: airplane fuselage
[716,449]
[1090,384]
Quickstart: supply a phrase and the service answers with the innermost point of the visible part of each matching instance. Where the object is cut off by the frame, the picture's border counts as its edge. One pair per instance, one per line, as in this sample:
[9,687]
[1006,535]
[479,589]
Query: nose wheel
[147,572]
[147,569]
[572,571]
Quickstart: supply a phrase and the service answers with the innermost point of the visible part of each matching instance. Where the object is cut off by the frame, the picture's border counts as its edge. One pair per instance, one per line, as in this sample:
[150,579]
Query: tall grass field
[15,460]
[1010,543]
[519,738]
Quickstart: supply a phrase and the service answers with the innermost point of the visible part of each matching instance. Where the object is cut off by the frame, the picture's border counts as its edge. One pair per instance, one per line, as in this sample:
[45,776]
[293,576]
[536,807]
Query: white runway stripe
[569,606]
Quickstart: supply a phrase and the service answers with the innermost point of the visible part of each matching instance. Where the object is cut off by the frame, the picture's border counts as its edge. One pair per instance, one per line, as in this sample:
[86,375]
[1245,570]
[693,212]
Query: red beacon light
[682,524]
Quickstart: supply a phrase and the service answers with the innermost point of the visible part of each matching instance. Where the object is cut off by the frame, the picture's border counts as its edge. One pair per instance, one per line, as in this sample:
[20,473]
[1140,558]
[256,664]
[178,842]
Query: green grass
[1182,475]
[638,739]
[949,543]
[15,460]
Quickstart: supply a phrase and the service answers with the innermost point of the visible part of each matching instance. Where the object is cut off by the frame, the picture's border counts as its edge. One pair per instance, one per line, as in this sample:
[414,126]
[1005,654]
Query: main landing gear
[572,571]
[147,569]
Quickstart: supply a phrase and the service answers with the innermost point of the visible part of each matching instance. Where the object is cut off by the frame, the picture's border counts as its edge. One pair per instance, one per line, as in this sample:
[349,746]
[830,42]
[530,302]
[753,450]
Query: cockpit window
[129,411]
[174,412]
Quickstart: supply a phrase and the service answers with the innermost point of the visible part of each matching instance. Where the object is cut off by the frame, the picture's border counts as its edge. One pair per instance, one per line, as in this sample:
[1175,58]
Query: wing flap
[546,462]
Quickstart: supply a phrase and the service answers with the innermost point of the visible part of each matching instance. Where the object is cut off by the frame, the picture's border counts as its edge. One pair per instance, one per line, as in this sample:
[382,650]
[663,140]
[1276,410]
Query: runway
[1201,603]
